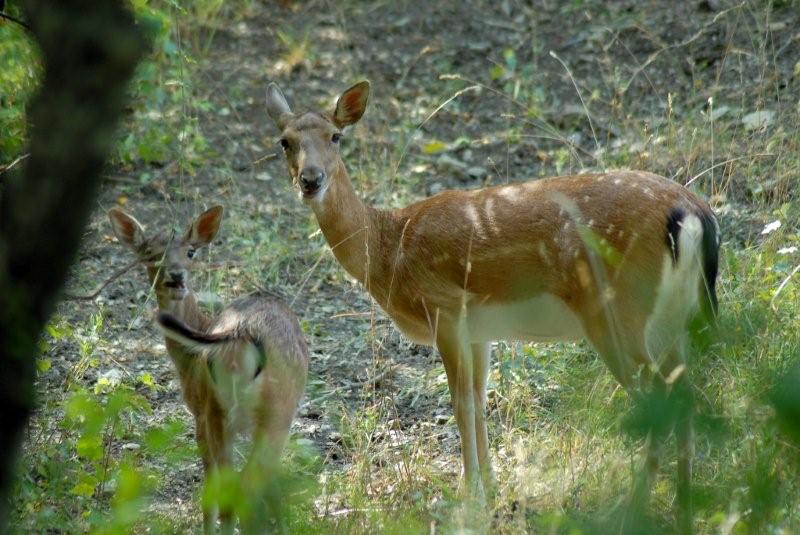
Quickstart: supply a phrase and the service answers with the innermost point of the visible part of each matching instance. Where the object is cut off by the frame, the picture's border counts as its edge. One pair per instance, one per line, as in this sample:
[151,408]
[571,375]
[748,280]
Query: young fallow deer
[241,371]
[623,259]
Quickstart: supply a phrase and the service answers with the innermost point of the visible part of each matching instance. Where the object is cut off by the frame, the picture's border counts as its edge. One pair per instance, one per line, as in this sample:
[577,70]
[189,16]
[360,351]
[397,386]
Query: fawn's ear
[127,230]
[277,107]
[351,105]
[205,227]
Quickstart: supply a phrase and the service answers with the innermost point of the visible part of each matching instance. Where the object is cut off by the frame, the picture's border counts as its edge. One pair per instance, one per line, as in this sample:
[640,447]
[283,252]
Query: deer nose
[311,178]
[177,276]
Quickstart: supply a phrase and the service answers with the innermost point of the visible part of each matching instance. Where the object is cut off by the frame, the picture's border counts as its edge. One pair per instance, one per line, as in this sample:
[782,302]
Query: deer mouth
[310,191]
[176,289]
[314,193]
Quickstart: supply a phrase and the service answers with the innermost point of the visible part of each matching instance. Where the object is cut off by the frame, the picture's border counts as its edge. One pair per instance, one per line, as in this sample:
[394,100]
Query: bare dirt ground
[417,56]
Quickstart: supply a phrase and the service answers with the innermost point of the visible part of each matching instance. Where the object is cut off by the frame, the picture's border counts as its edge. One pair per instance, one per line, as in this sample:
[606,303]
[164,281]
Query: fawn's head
[166,256]
[310,140]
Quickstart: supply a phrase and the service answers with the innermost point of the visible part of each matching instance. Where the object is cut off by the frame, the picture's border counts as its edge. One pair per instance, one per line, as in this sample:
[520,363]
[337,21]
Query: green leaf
[147,380]
[84,409]
[511,58]
[433,147]
[90,447]
[496,72]
[43,365]
[83,489]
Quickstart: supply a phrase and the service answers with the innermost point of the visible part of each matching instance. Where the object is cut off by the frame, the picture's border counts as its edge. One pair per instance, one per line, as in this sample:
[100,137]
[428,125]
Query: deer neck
[359,235]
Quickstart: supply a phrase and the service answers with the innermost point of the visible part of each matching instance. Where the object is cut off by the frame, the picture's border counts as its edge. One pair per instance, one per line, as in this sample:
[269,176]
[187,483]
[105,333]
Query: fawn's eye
[285,143]
[191,252]
[335,138]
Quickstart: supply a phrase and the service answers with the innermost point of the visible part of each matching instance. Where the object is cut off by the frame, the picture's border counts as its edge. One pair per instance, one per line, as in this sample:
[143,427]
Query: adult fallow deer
[623,259]
[241,371]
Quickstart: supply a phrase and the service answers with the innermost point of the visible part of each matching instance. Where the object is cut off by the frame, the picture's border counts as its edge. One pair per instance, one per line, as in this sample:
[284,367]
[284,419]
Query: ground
[464,94]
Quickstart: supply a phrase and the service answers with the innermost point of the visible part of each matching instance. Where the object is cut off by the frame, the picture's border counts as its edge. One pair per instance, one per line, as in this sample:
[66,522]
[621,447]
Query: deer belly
[544,318]
[419,333]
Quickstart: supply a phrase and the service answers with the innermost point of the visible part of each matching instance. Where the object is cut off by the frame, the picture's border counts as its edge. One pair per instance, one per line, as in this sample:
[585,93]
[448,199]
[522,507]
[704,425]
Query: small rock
[769,228]
[477,172]
[719,111]
[478,46]
[435,188]
[111,377]
[576,138]
[110,487]
[448,163]
[758,120]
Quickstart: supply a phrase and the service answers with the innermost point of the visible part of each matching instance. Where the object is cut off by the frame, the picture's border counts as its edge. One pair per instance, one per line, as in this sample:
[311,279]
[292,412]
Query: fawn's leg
[481,359]
[216,451]
[209,512]
[458,364]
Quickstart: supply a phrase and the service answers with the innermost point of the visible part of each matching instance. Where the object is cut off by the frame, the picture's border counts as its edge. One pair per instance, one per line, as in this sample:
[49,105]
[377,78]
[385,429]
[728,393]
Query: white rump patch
[236,386]
[678,293]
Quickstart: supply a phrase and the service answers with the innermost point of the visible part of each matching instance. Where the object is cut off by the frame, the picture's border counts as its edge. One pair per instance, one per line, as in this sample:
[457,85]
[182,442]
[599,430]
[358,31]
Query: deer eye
[191,252]
[285,143]
[335,138]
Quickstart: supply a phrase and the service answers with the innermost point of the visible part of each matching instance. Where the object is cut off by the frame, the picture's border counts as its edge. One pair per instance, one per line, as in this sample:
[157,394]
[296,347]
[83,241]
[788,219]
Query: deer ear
[351,105]
[127,230]
[205,227]
[277,107]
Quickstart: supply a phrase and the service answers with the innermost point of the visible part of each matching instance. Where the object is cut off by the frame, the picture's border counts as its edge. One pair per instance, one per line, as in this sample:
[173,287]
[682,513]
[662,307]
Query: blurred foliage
[20,69]
[161,127]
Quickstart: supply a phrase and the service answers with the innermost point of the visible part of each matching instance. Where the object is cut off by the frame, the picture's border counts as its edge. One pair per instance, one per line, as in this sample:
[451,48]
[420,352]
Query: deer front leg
[458,364]
[209,511]
[481,358]
[216,451]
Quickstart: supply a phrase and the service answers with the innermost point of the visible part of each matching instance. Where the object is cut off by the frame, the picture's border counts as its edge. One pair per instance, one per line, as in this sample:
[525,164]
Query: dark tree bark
[90,49]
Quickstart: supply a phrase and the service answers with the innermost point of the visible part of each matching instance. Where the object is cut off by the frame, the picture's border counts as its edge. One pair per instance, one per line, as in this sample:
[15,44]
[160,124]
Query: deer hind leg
[626,357]
[684,431]
[263,471]
[260,483]
[671,351]
[262,475]
[458,364]
[481,359]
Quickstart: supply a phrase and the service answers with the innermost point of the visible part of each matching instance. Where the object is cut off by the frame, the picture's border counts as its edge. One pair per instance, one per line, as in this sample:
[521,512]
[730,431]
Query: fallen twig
[781,287]
[369,381]
[726,162]
[4,168]
[15,20]
[87,297]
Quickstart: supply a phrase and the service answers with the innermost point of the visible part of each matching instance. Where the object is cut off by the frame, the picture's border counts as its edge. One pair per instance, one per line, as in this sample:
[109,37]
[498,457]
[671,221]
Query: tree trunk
[89,51]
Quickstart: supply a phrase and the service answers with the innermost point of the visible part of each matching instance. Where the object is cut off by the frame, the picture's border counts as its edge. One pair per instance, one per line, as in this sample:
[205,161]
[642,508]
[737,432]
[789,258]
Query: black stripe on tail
[674,220]
[171,323]
[710,245]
